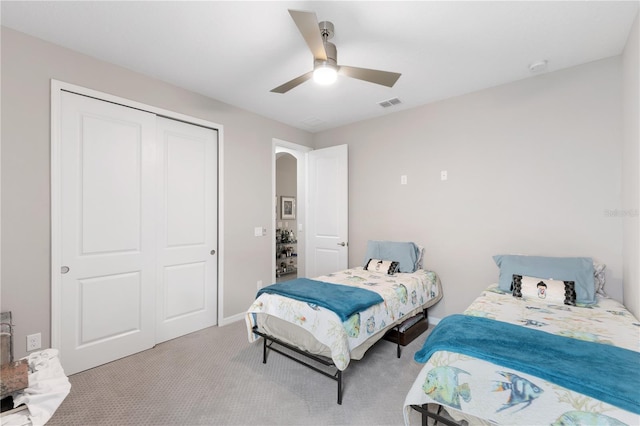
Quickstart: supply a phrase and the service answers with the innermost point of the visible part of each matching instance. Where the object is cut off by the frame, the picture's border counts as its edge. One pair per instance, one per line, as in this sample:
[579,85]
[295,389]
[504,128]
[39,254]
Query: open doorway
[289,215]
[287,220]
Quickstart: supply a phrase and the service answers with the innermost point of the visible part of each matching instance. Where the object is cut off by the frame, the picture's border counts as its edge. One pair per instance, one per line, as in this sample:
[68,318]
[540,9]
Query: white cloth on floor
[48,387]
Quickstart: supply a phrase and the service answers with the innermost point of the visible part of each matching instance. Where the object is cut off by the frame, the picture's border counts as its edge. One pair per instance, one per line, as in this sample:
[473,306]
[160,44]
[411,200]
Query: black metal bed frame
[426,414]
[267,344]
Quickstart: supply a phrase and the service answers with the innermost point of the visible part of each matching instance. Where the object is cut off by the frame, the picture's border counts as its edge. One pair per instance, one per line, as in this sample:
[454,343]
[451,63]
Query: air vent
[389,102]
[312,122]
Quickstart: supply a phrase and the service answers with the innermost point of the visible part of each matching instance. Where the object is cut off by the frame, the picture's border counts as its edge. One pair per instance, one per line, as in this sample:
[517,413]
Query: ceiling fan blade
[293,83]
[384,78]
[307,23]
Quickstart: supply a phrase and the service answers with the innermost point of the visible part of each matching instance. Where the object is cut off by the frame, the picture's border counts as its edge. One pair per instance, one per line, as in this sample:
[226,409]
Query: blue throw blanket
[344,300]
[604,372]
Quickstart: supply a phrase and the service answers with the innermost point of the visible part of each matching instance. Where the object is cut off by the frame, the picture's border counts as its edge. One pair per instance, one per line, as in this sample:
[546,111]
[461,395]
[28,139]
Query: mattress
[484,393]
[319,331]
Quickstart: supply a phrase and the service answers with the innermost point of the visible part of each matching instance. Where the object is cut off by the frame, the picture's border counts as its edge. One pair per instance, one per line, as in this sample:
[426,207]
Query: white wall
[630,173]
[28,65]
[533,166]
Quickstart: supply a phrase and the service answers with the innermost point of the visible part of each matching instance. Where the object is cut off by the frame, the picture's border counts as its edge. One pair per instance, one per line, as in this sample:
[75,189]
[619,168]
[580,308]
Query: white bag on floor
[48,387]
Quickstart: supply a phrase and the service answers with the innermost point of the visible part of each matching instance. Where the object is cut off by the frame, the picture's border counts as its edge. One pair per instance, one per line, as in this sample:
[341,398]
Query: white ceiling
[237,51]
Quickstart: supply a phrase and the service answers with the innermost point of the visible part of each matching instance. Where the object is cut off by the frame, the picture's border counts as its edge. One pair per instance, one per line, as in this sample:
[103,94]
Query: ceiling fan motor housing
[327,32]
[332,56]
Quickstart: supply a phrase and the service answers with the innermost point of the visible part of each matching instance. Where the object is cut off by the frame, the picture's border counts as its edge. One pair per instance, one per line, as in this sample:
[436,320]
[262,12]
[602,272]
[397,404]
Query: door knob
[64,269]
[342,244]
[213,252]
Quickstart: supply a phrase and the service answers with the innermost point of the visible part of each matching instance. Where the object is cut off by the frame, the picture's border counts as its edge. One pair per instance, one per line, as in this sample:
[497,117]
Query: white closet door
[107,297]
[187,232]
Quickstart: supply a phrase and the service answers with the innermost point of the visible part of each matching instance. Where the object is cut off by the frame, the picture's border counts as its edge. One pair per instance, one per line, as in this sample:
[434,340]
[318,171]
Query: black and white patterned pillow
[388,267]
[548,290]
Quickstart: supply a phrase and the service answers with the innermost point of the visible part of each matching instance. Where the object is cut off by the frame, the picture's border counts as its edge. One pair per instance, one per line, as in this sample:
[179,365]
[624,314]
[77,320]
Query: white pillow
[388,267]
[599,278]
[420,261]
[544,290]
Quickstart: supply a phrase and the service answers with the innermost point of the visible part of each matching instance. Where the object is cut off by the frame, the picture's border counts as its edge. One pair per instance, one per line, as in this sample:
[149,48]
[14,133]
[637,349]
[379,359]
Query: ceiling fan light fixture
[325,56]
[325,74]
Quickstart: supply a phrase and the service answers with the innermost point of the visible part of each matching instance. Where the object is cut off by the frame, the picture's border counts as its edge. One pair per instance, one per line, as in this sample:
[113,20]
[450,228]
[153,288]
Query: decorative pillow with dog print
[388,267]
[544,290]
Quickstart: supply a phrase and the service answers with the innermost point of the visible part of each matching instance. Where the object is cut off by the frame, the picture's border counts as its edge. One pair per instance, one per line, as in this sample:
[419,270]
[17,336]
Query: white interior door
[187,233]
[108,234]
[328,210]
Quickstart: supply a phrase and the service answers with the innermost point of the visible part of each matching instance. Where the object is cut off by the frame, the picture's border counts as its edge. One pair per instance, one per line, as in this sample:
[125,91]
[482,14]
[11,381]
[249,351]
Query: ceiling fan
[325,56]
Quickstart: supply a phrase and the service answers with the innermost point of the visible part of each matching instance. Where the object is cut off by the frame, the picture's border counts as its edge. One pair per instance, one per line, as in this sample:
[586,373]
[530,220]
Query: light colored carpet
[216,377]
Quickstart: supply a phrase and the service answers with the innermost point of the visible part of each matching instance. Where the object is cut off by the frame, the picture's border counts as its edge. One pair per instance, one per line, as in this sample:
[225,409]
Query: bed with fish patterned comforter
[484,393]
[404,294]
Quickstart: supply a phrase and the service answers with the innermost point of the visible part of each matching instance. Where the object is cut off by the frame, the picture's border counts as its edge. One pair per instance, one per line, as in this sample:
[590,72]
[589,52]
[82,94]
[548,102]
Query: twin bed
[533,354]
[307,327]
[529,350]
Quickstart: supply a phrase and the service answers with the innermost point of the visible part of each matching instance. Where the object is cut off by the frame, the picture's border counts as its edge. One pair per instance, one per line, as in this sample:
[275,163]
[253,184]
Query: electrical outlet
[34,341]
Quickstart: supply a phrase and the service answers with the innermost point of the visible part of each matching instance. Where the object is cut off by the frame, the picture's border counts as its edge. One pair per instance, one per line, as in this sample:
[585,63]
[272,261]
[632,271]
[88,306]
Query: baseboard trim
[231,319]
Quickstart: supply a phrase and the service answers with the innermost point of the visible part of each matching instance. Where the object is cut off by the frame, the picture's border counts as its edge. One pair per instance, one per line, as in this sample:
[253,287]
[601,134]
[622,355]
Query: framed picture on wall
[287,207]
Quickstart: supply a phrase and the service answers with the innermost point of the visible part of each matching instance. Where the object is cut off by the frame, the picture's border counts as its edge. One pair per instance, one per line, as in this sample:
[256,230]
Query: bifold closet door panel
[108,231]
[187,228]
